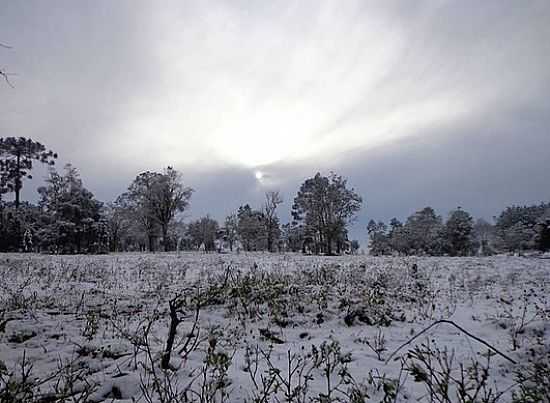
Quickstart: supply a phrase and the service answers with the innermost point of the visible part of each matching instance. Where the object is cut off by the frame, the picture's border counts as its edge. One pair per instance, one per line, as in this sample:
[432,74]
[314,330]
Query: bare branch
[5,75]
[459,328]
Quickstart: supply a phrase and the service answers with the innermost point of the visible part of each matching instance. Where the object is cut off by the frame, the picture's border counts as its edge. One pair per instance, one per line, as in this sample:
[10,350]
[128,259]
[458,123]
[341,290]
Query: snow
[83,310]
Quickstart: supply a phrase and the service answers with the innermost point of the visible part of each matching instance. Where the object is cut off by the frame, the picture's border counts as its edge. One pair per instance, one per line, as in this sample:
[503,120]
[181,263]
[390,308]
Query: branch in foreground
[450,322]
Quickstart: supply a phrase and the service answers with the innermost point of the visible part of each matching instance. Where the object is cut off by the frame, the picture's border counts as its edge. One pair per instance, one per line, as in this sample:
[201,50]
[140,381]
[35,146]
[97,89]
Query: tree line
[149,214]
[516,230]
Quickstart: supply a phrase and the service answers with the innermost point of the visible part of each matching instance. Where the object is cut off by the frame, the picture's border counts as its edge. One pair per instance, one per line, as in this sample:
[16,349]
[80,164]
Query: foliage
[516,227]
[203,233]
[152,201]
[445,382]
[379,241]
[483,237]
[458,233]
[231,229]
[533,382]
[169,196]
[270,219]
[251,228]
[19,227]
[292,236]
[72,220]
[326,206]
[422,234]
[16,161]
[542,232]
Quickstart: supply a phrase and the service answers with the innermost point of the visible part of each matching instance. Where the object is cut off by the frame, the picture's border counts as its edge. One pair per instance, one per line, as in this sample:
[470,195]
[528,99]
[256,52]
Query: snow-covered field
[270,328]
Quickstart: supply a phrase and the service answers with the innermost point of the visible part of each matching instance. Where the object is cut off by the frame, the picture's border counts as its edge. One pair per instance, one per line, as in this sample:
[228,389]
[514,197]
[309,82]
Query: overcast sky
[441,103]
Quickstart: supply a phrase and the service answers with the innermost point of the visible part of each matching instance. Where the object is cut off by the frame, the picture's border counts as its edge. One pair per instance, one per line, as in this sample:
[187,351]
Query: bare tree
[271,221]
[231,229]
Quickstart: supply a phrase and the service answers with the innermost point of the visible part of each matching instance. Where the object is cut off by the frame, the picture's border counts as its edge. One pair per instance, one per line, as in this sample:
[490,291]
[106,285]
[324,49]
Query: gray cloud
[439,103]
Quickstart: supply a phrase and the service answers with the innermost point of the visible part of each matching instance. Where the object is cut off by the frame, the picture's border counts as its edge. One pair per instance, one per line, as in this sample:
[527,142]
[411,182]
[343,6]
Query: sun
[259,175]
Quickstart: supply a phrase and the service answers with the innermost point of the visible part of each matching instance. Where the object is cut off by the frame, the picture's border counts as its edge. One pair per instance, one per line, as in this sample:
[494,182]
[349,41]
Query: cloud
[219,89]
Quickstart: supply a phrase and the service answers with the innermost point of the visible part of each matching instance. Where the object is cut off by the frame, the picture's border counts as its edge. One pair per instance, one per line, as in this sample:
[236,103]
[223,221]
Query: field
[273,328]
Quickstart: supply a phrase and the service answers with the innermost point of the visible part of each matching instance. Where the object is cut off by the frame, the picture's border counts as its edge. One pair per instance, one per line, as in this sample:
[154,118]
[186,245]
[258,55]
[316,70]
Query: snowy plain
[95,328]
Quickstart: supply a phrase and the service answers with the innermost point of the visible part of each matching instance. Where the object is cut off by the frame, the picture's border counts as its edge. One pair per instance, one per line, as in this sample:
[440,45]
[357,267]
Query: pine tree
[16,161]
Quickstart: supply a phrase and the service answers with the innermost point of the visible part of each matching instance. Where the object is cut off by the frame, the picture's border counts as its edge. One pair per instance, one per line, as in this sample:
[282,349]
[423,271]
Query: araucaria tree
[16,159]
[326,206]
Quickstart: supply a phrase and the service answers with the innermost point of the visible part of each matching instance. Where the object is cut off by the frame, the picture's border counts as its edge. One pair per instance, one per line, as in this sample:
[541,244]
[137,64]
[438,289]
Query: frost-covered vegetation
[262,327]
[148,216]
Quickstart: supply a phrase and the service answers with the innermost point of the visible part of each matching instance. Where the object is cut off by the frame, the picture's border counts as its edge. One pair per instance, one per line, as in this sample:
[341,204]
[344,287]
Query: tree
[138,205]
[516,226]
[18,228]
[458,232]
[16,161]
[231,229]
[153,199]
[168,197]
[271,221]
[72,215]
[424,230]
[292,236]
[378,237]
[397,237]
[326,206]
[542,232]
[203,232]
[483,232]
[251,228]
[354,246]
[118,224]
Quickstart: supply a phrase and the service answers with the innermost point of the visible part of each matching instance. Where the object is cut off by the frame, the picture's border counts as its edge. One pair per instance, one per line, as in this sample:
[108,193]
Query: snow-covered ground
[271,327]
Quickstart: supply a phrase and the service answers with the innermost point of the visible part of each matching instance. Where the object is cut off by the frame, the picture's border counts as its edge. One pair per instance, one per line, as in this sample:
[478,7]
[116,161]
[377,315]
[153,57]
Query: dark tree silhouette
[16,160]
[326,206]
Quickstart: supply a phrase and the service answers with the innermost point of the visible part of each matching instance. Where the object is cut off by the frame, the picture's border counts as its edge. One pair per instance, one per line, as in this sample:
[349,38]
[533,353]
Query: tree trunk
[174,322]
[329,246]
[17,184]
[165,237]
[150,241]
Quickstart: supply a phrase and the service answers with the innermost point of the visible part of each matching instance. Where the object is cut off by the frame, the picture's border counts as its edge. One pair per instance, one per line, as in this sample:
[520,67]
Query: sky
[440,103]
